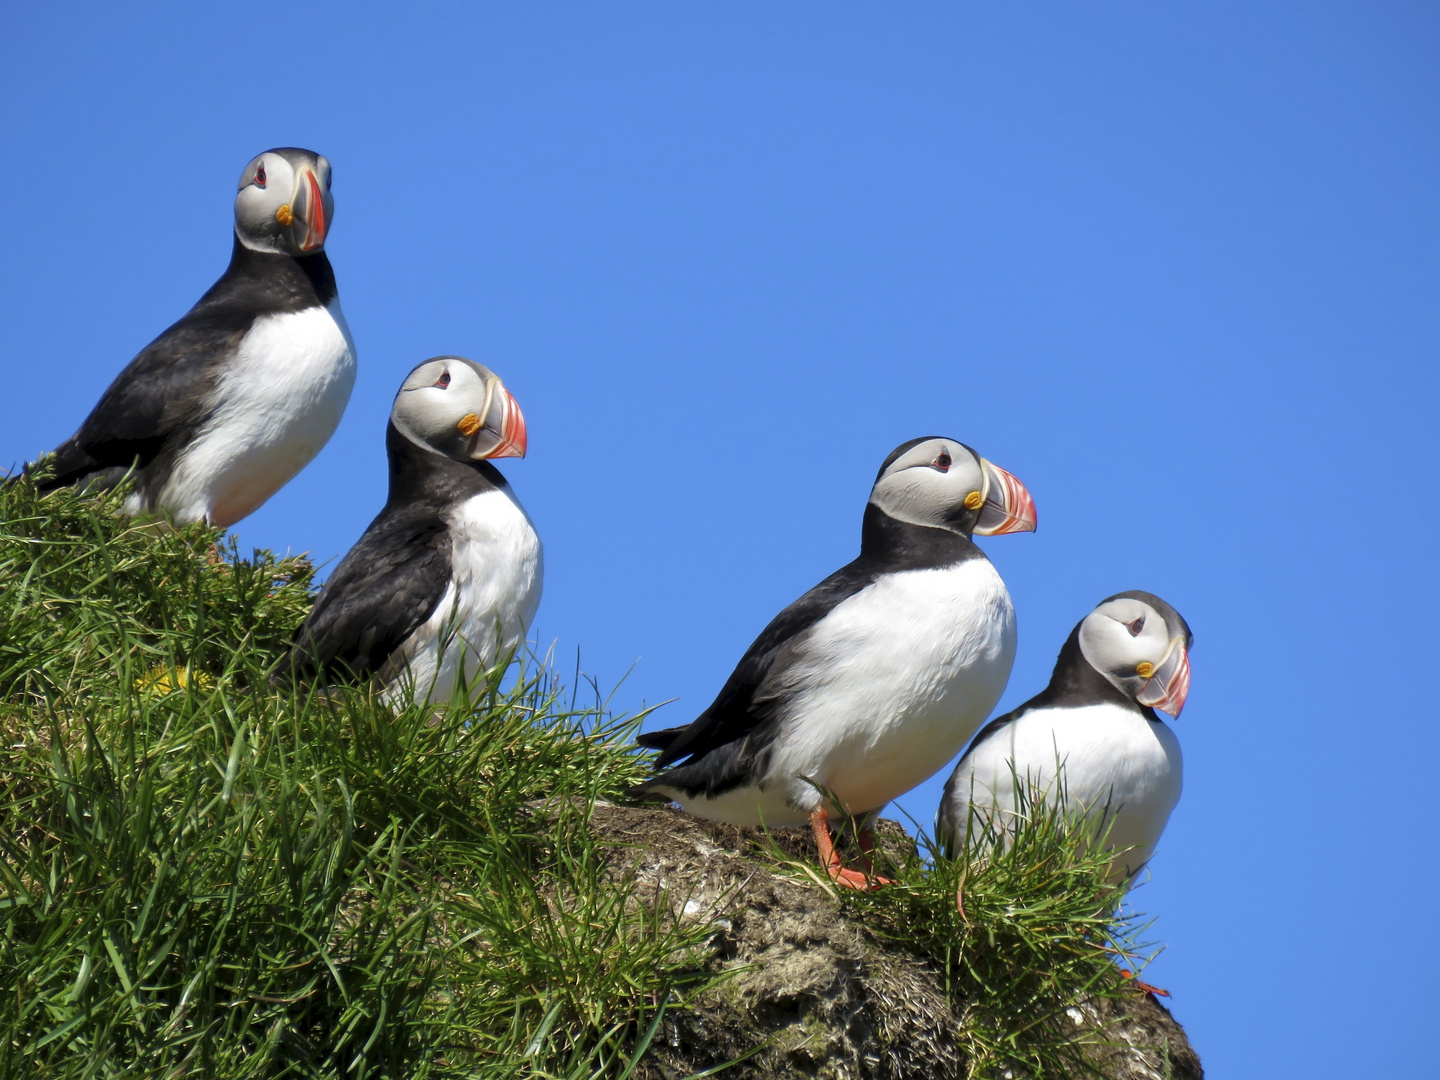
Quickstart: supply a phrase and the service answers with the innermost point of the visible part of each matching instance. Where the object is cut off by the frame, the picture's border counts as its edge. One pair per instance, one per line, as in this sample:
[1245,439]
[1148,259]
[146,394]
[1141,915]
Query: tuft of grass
[203,874]
[90,595]
[1023,926]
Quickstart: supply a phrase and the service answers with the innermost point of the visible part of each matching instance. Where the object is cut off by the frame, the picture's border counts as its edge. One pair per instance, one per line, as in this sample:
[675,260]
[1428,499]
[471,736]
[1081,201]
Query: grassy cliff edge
[205,874]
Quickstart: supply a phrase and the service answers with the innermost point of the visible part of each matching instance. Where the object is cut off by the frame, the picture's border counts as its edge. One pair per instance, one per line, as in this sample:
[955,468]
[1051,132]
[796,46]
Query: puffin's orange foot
[830,859]
[856,879]
[1143,987]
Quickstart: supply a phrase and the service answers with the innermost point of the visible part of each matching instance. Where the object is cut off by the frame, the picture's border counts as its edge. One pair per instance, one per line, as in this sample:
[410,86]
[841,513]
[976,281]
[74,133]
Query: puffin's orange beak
[1168,688]
[510,426]
[308,206]
[1008,507]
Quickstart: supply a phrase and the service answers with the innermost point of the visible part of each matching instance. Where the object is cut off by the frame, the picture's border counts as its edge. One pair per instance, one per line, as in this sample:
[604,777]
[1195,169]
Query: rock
[809,992]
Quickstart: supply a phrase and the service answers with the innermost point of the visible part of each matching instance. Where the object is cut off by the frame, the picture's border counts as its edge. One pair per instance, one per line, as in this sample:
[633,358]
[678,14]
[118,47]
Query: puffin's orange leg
[1130,976]
[830,859]
[866,838]
[1142,986]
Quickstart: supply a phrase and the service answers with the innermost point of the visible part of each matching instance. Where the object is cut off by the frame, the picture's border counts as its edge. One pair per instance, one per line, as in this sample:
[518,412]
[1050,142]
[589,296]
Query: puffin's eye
[260,176]
[444,381]
[942,463]
[1136,626]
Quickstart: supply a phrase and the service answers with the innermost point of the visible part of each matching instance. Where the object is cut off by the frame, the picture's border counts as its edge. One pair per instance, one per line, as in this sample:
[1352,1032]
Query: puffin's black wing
[737,712]
[160,395]
[391,581]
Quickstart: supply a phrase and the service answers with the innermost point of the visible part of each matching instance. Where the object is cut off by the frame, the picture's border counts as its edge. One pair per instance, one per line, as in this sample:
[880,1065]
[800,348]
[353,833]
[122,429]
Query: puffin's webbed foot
[865,880]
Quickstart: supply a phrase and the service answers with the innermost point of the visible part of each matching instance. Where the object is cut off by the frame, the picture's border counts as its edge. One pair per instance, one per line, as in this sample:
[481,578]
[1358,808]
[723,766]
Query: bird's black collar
[418,475]
[1075,683]
[899,545]
[269,281]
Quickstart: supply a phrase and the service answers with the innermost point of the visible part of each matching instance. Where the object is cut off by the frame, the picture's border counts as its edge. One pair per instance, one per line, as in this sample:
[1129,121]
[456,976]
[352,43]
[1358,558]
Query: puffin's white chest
[886,689]
[496,572]
[277,403]
[1112,761]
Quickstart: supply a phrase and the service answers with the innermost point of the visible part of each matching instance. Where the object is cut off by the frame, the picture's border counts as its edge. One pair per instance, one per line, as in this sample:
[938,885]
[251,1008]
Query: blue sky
[1173,265]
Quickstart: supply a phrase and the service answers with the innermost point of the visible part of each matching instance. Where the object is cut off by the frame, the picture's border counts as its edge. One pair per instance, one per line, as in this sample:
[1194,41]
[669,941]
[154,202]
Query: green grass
[1022,926]
[205,875]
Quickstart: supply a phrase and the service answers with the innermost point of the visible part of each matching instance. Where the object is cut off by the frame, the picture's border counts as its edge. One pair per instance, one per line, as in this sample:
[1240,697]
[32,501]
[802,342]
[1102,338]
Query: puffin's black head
[459,408]
[1142,646]
[944,484]
[284,203]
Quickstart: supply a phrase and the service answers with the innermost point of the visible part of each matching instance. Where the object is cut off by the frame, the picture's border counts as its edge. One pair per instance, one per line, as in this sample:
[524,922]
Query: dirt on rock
[808,992]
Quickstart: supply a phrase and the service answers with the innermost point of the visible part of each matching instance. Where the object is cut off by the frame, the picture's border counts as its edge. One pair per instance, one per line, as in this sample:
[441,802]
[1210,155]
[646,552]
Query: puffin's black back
[729,741]
[394,577]
[160,399]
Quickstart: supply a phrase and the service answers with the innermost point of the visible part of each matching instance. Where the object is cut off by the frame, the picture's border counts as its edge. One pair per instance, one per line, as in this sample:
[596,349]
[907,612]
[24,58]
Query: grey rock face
[810,988]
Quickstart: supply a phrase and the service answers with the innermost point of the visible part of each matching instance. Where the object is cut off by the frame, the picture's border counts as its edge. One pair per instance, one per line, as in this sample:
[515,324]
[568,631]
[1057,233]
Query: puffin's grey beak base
[1008,507]
[1168,688]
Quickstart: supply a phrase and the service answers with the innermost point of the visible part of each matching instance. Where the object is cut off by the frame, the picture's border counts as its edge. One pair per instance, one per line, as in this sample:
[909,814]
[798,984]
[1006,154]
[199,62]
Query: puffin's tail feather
[659,740]
[646,794]
[69,466]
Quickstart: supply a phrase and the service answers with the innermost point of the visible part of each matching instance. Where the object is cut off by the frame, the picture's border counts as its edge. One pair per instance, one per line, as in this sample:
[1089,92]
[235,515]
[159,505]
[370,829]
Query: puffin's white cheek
[439,424]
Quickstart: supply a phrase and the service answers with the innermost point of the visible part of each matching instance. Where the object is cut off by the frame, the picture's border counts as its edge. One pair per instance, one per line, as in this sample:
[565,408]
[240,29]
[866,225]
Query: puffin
[445,581]
[1091,741]
[866,685]
[222,409]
